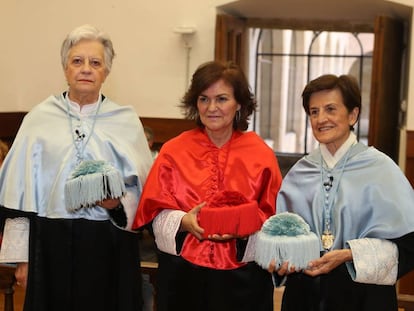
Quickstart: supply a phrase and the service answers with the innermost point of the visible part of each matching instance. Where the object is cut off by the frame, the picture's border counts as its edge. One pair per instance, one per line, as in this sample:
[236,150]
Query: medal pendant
[327,240]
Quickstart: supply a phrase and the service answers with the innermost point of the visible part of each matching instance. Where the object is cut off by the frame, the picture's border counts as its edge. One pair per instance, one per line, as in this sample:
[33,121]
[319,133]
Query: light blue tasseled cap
[93,181]
[286,237]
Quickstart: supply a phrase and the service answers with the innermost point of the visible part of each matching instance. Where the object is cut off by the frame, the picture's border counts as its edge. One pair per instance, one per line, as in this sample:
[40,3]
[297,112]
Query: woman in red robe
[202,267]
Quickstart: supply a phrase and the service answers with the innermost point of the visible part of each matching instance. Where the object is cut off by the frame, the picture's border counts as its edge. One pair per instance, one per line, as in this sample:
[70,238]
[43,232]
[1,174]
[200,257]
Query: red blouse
[190,169]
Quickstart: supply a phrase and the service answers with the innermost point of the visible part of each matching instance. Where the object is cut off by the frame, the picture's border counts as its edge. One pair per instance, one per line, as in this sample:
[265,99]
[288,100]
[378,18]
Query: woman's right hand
[282,270]
[189,222]
[21,274]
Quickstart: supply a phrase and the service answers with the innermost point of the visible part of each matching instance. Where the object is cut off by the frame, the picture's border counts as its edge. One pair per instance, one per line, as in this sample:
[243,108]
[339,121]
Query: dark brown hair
[346,84]
[208,74]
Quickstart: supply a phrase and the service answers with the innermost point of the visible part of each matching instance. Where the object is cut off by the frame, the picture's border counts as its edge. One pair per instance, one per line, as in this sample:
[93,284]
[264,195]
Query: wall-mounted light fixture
[187,33]
[185,30]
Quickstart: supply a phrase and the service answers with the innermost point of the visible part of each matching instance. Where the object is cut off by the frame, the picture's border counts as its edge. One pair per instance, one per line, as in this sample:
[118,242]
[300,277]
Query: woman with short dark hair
[356,200]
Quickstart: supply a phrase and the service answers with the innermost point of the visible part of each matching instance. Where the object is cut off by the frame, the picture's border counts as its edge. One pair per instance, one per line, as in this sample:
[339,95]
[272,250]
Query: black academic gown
[74,254]
[336,291]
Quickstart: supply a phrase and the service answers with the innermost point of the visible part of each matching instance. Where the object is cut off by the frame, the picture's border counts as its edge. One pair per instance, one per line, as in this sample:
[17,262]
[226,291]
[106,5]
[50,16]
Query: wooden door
[385,107]
[386,86]
[231,40]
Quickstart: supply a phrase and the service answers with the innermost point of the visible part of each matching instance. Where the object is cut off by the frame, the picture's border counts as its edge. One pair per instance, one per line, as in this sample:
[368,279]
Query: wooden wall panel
[409,160]
[9,125]
[164,128]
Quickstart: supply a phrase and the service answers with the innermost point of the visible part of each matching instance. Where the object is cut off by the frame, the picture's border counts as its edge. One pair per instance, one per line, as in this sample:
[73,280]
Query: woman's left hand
[109,203]
[328,262]
[21,273]
[221,238]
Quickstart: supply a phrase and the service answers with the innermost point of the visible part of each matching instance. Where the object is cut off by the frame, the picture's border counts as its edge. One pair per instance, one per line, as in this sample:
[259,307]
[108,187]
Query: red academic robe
[190,169]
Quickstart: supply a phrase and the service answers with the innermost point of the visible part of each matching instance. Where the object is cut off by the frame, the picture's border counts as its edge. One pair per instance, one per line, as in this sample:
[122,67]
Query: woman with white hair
[83,257]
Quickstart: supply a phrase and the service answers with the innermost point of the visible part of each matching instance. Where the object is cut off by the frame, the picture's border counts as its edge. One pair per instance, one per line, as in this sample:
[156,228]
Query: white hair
[87,32]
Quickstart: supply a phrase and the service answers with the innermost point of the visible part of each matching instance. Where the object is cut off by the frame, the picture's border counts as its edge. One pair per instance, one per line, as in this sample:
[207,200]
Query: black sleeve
[240,248]
[179,241]
[119,216]
[405,246]
[11,213]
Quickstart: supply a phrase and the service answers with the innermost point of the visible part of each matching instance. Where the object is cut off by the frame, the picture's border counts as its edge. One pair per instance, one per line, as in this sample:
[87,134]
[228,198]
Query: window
[283,61]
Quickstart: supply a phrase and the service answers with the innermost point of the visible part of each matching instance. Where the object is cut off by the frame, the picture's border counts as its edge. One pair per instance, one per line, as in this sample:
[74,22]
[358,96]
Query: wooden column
[406,283]
[409,160]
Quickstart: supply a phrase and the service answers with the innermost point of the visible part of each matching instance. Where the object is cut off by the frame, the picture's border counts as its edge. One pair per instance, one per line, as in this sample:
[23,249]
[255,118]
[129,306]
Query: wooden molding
[317,25]
[164,128]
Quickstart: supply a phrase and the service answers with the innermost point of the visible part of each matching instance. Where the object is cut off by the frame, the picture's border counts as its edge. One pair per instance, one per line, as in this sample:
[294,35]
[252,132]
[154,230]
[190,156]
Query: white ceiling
[355,10]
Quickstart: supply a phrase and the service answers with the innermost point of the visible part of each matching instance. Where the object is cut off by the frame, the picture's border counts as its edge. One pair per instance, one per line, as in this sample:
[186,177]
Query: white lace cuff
[375,261]
[166,225]
[249,253]
[15,243]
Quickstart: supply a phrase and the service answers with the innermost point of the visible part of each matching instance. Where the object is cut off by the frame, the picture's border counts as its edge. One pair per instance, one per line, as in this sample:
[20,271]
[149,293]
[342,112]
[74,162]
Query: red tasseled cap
[230,212]
[227,198]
